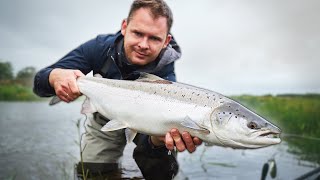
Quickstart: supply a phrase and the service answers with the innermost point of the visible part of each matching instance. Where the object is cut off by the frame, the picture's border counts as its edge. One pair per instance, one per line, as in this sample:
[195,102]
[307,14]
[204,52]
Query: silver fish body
[153,106]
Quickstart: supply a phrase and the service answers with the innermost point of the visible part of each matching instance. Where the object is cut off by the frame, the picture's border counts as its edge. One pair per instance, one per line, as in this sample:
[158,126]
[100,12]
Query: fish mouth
[268,137]
[270,134]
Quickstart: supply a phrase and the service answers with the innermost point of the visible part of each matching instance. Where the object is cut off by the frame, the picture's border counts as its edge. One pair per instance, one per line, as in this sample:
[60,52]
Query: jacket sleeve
[83,58]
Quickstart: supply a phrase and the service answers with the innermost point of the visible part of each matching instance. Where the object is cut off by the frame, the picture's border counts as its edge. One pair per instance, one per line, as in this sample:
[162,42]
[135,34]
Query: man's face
[144,37]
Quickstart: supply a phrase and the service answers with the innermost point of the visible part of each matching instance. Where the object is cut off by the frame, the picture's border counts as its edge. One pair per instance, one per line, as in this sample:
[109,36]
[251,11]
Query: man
[144,44]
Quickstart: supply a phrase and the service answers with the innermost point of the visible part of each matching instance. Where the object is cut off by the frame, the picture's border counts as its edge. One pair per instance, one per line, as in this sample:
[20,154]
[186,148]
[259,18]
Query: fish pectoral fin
[88,107]
[130,134]
[189,123]
[113,125]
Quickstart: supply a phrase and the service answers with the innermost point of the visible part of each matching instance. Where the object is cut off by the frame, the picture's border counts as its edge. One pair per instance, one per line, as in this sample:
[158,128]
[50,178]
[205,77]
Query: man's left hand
[182,141]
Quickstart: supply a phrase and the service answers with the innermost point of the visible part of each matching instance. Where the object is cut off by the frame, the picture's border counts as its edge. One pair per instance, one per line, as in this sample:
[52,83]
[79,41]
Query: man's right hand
[64,82]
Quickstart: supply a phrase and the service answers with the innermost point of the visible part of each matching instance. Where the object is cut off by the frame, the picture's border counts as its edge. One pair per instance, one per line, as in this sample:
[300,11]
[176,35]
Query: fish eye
[252,125]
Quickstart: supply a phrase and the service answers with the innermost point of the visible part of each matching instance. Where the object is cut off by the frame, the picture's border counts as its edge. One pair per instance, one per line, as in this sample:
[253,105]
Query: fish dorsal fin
[150,77]
[113,125]
[130,134]
[189,123]
[146,77]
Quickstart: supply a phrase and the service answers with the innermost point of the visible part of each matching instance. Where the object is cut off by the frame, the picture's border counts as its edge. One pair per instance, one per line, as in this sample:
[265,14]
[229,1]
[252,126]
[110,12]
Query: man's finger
[63,97]
[62,94]
[169,142]
[69,96]
[188,142]
[73,87]
[78,73]
[177,140]
[197,141]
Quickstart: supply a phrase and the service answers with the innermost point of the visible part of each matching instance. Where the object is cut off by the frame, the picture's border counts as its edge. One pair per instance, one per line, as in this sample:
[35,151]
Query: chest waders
[101,151]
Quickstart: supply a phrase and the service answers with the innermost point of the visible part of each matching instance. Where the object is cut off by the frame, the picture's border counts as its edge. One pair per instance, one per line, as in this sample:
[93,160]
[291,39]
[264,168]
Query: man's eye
[138,34]
[155,39]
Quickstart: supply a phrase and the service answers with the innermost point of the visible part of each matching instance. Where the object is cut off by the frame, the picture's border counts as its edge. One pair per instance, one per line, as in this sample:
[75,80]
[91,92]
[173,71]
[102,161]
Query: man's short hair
[157,8]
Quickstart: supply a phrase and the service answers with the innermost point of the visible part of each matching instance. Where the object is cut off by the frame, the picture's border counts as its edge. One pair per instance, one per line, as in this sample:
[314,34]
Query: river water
[38,141]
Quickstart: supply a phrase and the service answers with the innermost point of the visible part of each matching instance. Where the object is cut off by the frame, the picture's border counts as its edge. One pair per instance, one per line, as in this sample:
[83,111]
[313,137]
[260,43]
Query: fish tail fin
[54,100]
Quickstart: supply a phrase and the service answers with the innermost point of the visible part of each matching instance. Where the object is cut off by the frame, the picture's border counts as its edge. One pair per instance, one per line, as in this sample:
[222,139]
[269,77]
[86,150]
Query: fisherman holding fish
[144,44]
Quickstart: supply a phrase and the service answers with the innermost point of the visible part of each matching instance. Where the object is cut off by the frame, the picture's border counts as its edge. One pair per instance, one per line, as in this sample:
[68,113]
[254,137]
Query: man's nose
[143,44]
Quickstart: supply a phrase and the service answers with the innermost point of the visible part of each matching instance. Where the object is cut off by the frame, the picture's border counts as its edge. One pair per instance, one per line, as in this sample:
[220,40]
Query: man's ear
[168,39]
[124,27]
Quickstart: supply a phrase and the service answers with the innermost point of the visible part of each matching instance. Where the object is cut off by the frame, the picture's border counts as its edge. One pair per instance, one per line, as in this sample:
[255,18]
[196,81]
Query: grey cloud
[234,47]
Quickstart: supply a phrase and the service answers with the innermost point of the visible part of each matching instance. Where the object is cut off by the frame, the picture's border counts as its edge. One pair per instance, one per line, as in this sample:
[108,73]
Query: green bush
[14,92]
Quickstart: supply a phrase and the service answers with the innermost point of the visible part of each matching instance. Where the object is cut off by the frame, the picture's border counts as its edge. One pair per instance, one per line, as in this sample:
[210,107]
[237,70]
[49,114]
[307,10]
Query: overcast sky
[232,47]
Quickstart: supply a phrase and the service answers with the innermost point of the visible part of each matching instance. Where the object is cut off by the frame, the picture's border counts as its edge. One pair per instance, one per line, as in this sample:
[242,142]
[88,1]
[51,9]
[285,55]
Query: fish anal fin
[113,125]
[189,123]
[130,134]
[88,107]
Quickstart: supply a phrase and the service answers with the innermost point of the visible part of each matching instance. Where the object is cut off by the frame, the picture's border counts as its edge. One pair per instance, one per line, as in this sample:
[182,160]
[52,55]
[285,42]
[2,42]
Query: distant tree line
[24,76]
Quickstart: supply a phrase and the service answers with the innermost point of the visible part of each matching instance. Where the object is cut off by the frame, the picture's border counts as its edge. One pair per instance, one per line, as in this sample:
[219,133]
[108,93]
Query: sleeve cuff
[42,86]
[155,151]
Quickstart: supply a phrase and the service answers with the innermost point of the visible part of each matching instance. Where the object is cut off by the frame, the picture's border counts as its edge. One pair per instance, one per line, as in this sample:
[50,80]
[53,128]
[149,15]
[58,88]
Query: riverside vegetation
[16,92]
[16,87]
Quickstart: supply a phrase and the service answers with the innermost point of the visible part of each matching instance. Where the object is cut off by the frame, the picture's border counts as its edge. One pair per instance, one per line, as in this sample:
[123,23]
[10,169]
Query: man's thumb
[78,73]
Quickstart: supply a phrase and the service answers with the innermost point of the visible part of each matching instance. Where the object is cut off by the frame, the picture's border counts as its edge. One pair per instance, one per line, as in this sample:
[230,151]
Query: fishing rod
[300,136]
